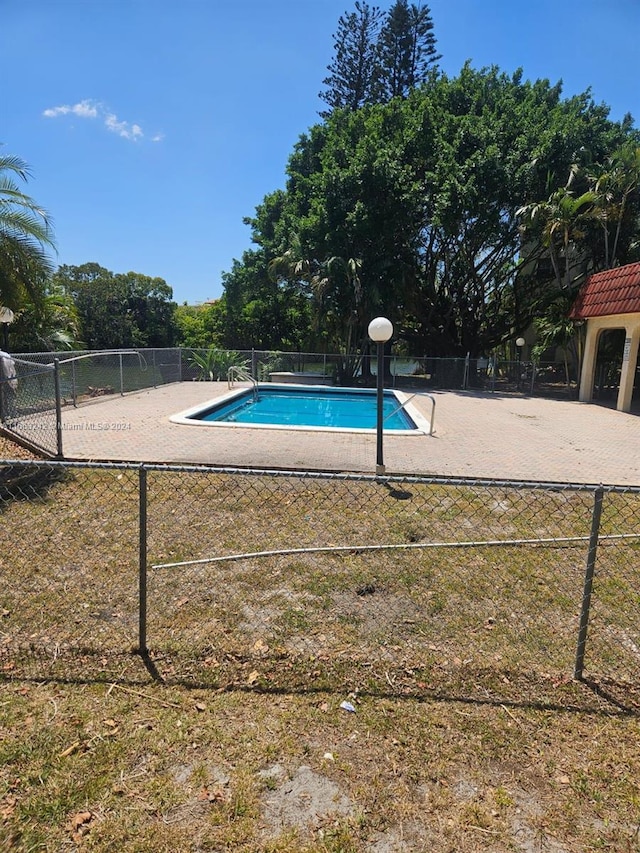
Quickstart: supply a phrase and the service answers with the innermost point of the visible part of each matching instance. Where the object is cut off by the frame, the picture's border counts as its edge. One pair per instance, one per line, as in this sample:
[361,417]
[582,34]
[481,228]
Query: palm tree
[25,237]
[560,218]
[614,186]
[338,297]
[53,324]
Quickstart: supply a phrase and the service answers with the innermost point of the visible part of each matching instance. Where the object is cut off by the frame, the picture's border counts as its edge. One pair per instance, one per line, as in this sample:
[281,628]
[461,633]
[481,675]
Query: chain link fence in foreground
[328,576]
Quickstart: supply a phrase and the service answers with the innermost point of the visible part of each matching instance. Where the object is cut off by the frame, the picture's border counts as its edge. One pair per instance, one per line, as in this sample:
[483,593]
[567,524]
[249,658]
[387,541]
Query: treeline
[91,307]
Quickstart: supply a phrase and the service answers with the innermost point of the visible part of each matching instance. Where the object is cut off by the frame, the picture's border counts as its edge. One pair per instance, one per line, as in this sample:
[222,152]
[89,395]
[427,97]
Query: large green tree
[425,193]
[26,237]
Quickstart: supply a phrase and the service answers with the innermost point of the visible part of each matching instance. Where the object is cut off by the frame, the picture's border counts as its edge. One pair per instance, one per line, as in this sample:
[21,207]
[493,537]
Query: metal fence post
[142,557]
[588,581]
[121,377]
[56,381]
[74,392]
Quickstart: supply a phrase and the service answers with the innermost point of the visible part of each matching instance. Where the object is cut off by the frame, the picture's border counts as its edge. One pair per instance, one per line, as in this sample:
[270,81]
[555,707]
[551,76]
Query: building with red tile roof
[609,292]
[610,300]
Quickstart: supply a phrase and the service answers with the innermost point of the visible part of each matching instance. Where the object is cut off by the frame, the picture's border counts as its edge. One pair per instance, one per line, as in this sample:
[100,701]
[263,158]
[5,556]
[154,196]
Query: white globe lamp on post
[6,317]
[380,331]
[520,342]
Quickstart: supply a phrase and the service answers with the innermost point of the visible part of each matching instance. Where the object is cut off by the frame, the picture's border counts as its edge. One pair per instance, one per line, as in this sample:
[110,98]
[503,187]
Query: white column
[587,375]
[629,362]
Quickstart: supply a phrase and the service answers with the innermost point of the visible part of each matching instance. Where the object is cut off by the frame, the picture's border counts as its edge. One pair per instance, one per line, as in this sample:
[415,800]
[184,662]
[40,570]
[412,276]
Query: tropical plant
[561,220]
[616,188]
[25,238]
[555,329]
[51,325]
[338,301]
[213,364]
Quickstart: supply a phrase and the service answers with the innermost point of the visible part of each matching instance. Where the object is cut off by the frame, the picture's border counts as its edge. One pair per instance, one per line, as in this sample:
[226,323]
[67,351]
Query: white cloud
[84,109]
[123,128]
[93,109]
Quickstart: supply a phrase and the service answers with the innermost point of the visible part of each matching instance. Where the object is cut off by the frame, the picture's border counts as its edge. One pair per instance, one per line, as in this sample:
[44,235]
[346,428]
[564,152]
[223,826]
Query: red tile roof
[615,291]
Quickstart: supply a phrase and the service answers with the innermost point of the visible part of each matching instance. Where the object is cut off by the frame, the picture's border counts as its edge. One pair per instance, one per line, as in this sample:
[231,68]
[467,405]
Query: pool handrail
[244,375]
[406,403]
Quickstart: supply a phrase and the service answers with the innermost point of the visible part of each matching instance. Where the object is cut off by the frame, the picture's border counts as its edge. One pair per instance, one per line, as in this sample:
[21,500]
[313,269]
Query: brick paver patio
[476,435]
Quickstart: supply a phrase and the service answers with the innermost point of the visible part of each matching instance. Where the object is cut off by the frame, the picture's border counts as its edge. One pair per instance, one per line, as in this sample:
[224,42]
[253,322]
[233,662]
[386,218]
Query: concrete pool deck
[476,435]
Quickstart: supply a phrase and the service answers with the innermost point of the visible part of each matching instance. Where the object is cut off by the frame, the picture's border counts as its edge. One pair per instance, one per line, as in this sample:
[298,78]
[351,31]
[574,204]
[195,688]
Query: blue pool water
[335,408]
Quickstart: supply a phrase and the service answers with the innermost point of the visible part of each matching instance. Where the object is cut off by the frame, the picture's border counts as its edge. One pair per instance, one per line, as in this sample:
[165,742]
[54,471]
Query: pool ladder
[406,403]
[236,372]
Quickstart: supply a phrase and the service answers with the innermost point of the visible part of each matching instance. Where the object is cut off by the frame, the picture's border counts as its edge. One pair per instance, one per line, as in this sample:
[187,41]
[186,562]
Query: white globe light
[6,315]
[380,330]
[520,342]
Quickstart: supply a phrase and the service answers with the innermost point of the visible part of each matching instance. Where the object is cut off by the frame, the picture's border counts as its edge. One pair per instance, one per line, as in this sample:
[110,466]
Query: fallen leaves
[215,796]
[8,806]
[112,727]
[79,825]
[9,802]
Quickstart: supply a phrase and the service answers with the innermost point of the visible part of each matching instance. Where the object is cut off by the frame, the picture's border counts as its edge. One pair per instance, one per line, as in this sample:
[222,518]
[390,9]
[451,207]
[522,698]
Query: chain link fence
[87,374]
[28,404]
[41,384]
[222,575]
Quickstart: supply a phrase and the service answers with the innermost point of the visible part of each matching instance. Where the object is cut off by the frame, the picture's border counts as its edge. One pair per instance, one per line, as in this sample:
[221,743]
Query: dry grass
[467,732]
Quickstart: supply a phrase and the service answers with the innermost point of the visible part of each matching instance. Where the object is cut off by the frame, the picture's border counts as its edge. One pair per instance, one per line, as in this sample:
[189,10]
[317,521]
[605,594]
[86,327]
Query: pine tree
[353,72]
[406,49]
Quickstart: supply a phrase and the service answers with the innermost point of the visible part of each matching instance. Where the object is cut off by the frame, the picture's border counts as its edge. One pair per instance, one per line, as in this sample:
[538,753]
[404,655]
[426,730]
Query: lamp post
[520,342]
[6,316]
[380,330]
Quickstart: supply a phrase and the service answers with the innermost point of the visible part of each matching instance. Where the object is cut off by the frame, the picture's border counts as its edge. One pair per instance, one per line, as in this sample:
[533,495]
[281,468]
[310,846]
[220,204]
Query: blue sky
[152,127]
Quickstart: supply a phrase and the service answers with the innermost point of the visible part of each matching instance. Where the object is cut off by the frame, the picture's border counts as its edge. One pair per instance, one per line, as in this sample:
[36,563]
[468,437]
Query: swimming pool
[307,407]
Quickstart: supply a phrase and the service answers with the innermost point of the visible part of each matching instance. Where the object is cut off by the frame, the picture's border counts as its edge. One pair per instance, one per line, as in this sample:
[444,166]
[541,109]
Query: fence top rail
[466,482]
[98,353]
[41,367]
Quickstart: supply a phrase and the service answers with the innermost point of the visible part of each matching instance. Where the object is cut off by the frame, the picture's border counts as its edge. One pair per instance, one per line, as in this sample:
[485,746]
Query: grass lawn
[462,729]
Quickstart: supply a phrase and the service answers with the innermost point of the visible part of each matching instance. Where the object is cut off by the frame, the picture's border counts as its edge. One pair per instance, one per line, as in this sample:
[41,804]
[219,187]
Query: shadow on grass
[25,483]
[285,675]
